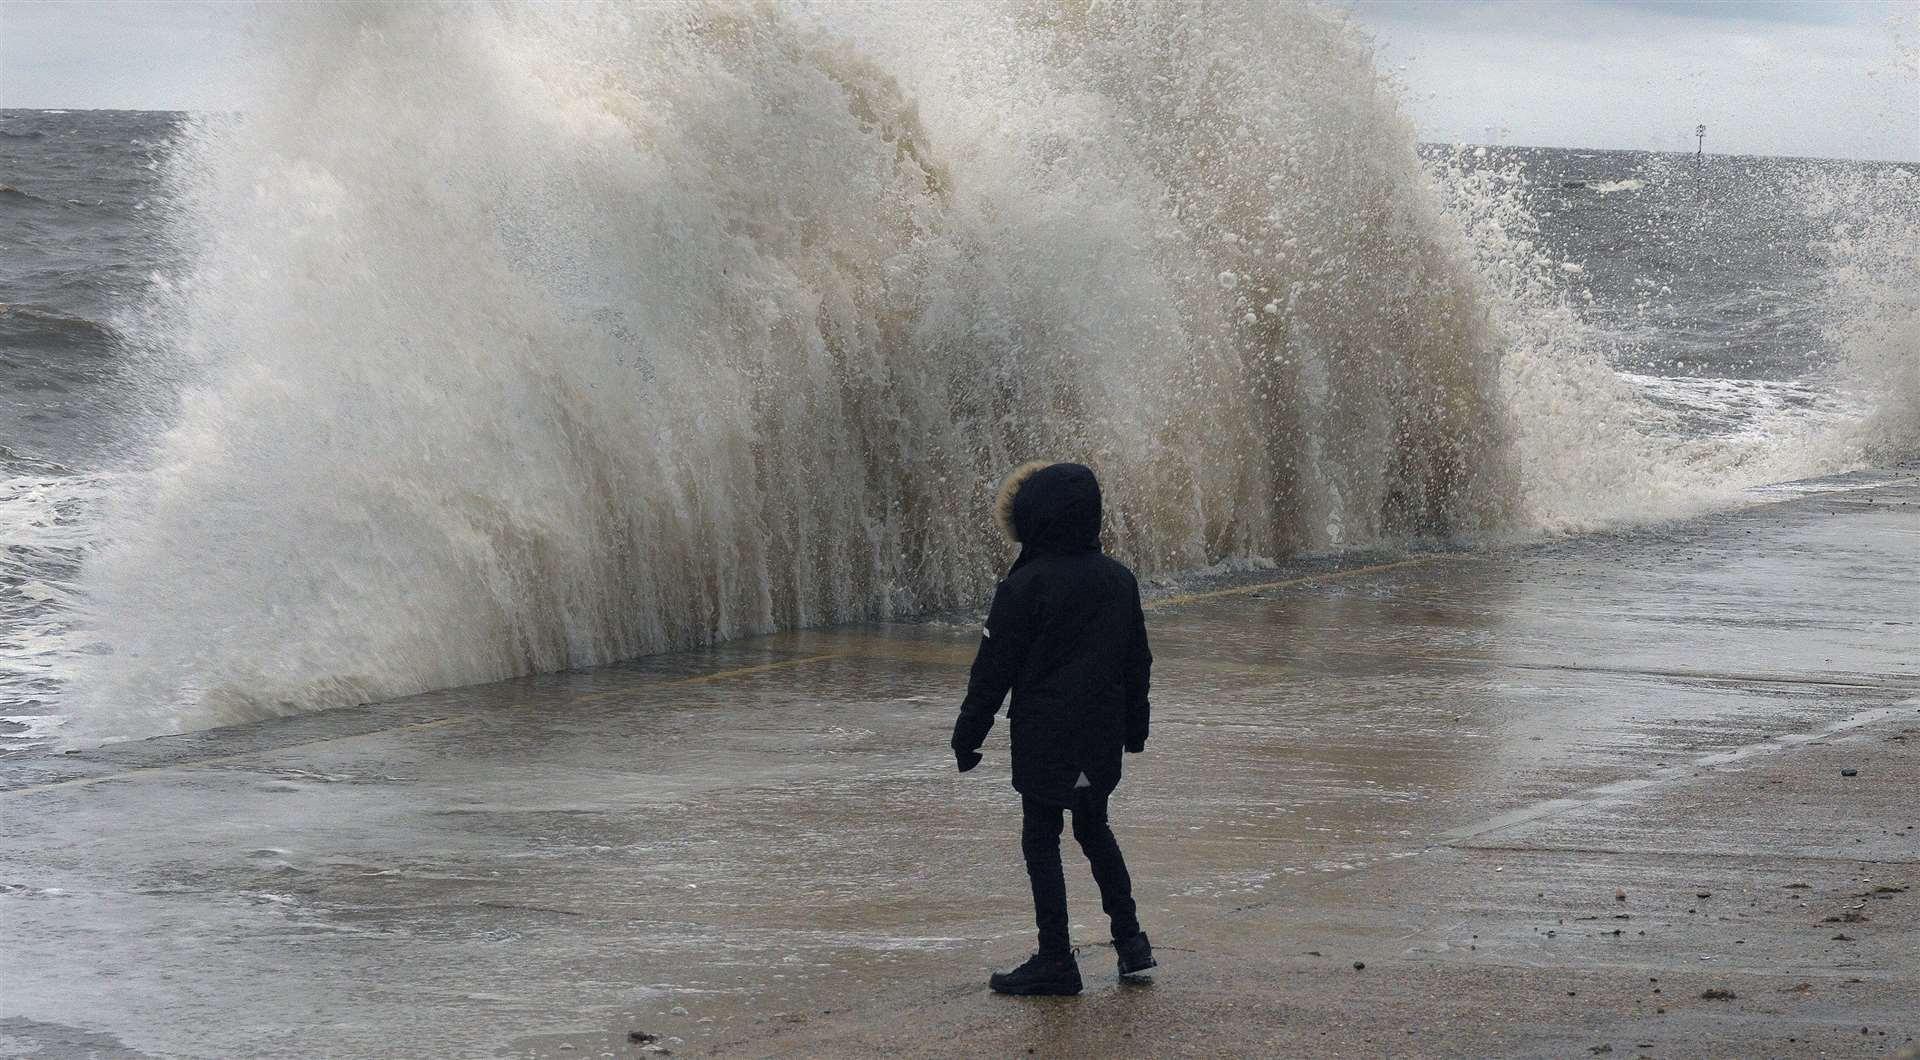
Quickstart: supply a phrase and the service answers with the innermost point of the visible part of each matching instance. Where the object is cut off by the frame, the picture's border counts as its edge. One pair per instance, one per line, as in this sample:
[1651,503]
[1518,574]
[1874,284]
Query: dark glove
[966,759]
[1134,747]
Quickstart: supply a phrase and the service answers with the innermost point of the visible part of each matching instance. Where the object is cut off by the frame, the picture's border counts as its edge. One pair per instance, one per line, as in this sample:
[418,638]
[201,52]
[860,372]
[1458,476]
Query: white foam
[1873,287]
[1601,448]
[677,333]
[1608,187]
[31,728]
[519,338]
[49,519]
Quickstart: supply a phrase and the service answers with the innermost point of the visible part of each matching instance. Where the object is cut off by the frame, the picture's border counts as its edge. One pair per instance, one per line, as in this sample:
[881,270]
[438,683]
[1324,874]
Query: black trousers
[1040,842]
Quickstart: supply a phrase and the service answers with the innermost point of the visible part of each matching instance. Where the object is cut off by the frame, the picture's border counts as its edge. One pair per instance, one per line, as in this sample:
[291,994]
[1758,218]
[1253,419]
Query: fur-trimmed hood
[1050,509]
[1003,504]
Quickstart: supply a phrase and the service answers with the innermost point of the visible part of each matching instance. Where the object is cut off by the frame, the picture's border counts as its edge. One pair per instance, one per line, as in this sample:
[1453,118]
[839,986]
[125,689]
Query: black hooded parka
[1067,636]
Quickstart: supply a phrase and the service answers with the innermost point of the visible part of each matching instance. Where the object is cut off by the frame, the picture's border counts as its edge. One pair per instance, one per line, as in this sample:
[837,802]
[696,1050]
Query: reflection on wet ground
[763,831]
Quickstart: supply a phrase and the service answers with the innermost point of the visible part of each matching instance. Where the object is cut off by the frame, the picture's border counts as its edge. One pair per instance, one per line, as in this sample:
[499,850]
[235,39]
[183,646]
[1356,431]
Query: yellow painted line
[934,654]
[1243,590]
[87,782]
[699,679]
[745,670]
[417,726]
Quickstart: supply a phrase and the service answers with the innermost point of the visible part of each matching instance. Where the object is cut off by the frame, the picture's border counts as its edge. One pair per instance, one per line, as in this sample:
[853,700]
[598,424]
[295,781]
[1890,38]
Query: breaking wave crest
[530,338]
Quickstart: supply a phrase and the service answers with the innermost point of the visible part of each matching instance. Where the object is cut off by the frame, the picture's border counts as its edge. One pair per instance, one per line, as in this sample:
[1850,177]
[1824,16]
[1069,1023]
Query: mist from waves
[1603,436]
[523,339]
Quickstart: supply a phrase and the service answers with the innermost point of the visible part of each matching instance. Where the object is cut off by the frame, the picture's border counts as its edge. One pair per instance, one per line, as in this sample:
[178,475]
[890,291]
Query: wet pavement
[1551,800]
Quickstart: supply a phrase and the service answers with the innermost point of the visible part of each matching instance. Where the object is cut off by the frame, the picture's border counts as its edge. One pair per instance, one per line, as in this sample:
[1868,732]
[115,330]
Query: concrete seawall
[1644,793]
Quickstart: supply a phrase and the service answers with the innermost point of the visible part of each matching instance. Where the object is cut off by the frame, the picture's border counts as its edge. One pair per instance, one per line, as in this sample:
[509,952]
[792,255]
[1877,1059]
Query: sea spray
[1873,289]
[516,339]
[1599,445]
[493,360]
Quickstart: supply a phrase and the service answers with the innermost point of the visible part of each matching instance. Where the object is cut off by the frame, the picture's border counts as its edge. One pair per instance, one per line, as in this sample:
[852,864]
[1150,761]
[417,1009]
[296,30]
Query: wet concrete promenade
[1650,793]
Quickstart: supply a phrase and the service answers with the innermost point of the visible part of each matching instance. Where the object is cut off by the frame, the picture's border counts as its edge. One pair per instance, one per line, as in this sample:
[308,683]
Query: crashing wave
[517,339]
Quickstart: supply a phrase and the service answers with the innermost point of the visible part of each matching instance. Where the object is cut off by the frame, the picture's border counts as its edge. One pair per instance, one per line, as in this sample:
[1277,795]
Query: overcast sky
[1799,77]
[1790,77]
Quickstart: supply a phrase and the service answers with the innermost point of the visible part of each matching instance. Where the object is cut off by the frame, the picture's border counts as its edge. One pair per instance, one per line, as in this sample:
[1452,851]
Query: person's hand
[966,759]
[1136,746]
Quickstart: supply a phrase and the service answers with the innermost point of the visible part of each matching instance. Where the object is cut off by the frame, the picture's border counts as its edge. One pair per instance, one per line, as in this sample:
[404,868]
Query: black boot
[1136,954]
[1041,975]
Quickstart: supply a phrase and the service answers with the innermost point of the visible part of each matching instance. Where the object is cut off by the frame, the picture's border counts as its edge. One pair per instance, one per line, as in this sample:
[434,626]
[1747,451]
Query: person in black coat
[1067,636]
